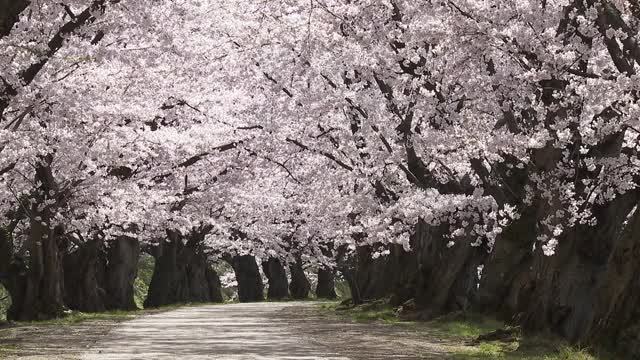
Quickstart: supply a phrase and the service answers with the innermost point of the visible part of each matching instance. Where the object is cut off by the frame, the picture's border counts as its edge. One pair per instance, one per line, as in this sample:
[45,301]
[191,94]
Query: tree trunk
[182,274]
[299,286]
[326,288]
[275,272]
[354,289]
[370,274]
[120,275]
[507,268]
[346,264]
[250,286]
[446,277]
[589,287]
[84,271]
[9,14]
[214,285]
[37,290]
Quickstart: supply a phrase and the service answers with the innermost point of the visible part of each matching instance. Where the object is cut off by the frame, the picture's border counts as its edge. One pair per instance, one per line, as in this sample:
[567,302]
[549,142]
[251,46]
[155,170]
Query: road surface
[287,330]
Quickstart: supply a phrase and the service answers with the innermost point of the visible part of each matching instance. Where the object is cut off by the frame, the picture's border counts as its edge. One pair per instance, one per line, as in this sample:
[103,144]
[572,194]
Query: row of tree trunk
[251,287]
[95,278]
[587,290]
[182,273]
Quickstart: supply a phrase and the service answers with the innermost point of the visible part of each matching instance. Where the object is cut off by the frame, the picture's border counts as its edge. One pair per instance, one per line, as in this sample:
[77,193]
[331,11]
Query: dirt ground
[288,330]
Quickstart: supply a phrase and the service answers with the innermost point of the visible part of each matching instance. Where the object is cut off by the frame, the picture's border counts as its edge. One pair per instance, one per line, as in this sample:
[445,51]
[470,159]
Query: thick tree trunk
[370,274]
[120,274]
[84,272]
[214,285]
[326,287]
[182,274]
[346,264]
[300,285]
[446,277]
[589,287]
[37,292]
[9,14]
[507,268]
[250,286]
[385,275]
[275,272]
[354,289]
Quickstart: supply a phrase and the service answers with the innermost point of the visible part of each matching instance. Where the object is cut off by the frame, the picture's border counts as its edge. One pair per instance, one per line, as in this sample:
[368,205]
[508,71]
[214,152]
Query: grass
[463,328]
[5,303]
[6,350]
[548,349]
[74,317]
[375,311]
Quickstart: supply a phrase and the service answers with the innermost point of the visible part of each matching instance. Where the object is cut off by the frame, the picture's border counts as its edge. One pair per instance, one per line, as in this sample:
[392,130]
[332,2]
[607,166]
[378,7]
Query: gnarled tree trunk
[120,274]
[37,290]
[589,287]
[9,13]
[446,277]
[278,285]
[250,286]
[299,286]
[84,272]
[182,274]
[326,287]
[214,285]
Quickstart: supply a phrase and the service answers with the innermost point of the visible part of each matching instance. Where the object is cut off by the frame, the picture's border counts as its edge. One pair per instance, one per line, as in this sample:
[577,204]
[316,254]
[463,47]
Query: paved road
[259,331]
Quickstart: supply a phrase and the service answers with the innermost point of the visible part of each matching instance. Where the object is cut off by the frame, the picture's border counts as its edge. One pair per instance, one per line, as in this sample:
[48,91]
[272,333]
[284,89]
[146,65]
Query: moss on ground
[464,328]
[5,303]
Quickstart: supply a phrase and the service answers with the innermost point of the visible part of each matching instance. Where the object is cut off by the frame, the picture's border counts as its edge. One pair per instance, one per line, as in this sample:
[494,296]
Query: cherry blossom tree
[483,153]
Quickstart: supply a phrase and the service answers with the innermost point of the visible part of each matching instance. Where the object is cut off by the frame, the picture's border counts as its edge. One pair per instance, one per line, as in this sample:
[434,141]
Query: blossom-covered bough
[460,153]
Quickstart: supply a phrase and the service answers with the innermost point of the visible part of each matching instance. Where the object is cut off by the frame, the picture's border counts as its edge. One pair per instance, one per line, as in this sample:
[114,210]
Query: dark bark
[300,285]
[439,278]
[506,268]
[346,264]
[278,285]
[37,290]
[9,14]
[385,276]
[84,276]
[369,274]
[120,274]
[182,273]
[326,287]
[589,287]
[214,285]
[250,286]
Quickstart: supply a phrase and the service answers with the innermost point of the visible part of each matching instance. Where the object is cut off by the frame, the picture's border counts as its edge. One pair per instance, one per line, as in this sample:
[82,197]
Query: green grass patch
[5,303]
[375,311]
[463,328]
[7,350]
[466,326]
[74,317]
[517,351]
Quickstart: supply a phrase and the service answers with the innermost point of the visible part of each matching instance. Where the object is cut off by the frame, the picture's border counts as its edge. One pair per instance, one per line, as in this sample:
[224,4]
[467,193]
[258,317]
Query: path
[291,330]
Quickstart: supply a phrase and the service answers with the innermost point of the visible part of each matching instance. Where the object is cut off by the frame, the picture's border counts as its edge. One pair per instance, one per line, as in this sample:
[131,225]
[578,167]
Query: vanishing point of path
[262,331]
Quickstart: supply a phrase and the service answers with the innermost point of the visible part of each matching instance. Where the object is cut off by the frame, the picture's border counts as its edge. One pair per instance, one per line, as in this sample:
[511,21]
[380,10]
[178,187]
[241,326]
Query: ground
[279,330]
